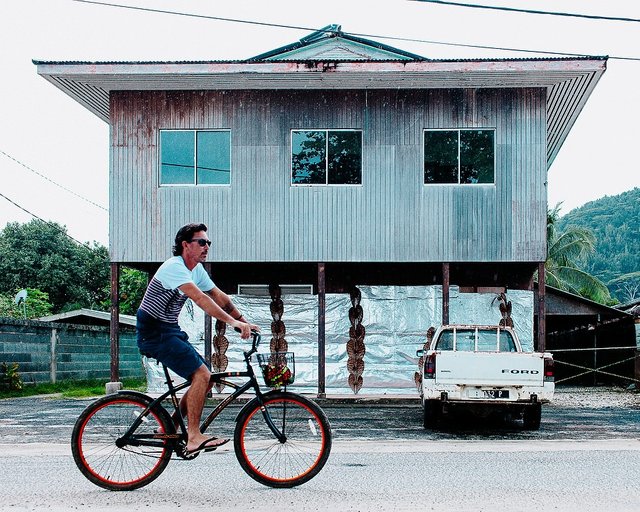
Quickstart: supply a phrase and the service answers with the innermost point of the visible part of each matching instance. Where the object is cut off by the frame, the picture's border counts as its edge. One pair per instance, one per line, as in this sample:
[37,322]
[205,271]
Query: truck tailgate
[489,368]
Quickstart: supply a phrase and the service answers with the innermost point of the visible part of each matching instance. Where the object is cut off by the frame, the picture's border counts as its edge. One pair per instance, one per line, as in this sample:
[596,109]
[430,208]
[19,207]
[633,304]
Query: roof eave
[569,81]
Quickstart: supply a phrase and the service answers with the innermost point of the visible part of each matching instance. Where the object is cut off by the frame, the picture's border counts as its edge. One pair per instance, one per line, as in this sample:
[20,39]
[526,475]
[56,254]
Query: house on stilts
[356,194]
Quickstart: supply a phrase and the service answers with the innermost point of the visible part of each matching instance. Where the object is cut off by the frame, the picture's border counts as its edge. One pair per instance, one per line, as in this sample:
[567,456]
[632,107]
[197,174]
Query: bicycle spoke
[299,457]
[106,464]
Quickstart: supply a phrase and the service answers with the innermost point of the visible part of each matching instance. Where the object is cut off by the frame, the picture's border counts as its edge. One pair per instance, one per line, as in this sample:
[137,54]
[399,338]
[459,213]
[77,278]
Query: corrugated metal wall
[392,216]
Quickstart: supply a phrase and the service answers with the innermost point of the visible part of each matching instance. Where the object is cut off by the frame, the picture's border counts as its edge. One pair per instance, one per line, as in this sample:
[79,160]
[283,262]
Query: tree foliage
[566,250]
[332,157]
[35,305]
[309,160]
[615,224]
[133,284]
[40,255]
[626,287]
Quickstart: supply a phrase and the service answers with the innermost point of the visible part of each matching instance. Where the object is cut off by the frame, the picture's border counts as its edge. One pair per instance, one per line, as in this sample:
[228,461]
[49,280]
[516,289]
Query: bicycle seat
[149,356]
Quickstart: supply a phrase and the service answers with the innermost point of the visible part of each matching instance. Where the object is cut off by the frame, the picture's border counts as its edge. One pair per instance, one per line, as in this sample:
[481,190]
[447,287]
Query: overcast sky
[54,153]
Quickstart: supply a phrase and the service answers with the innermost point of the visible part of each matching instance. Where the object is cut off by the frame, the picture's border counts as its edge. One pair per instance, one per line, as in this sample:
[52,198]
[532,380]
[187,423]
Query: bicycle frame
[216,378]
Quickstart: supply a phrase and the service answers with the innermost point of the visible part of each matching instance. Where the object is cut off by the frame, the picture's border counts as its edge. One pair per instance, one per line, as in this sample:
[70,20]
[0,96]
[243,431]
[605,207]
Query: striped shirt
[163,300]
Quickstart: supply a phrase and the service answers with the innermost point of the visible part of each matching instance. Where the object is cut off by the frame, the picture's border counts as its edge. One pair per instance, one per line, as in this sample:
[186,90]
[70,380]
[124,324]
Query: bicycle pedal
[181,451]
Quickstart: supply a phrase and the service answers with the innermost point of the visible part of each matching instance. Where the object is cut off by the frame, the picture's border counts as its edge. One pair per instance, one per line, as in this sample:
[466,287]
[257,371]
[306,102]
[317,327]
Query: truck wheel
[431,413]
[531,416]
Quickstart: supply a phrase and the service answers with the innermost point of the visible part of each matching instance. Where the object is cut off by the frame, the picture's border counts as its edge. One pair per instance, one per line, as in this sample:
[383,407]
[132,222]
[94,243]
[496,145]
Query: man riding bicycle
[159,336]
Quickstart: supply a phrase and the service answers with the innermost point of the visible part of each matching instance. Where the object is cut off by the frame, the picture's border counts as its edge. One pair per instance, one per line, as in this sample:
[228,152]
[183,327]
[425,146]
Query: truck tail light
[548,370]
[430,367]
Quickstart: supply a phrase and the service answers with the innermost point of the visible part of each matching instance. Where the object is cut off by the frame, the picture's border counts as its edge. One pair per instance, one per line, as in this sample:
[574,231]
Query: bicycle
[126,440]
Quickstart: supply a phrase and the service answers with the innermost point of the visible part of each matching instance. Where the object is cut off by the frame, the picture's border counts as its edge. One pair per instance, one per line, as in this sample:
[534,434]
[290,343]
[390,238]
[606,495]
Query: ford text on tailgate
[484,367]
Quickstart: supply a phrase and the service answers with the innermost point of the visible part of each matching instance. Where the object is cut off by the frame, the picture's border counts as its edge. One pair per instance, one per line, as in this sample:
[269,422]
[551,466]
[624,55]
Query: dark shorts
[168,344]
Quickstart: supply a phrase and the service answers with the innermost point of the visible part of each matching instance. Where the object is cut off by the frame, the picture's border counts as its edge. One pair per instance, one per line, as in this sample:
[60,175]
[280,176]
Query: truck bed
[489,368]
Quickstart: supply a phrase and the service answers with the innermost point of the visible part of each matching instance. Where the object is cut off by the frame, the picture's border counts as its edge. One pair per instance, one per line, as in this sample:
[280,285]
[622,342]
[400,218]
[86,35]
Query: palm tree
[564,251]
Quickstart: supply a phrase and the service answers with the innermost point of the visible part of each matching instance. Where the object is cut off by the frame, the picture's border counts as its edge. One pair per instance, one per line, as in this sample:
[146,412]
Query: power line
[50,224]
[188,166]
[373,36]
[531,11]
[50,180]
[191,15]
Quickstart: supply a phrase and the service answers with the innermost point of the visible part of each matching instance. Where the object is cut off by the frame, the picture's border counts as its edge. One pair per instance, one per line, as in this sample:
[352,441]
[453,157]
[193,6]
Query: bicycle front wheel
[118,465]
[298,456]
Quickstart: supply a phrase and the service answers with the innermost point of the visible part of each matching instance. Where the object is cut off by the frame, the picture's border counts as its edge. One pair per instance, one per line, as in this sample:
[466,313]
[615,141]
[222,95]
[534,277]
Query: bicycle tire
[294,461]
[99,459]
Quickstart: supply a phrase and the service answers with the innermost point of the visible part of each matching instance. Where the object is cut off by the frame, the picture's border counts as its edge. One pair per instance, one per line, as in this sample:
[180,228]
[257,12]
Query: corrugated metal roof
[88,317]
[358,48]
[363,65]
[302,61]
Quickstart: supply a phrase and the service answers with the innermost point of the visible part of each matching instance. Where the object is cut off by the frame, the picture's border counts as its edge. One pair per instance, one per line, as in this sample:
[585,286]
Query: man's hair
[185,234]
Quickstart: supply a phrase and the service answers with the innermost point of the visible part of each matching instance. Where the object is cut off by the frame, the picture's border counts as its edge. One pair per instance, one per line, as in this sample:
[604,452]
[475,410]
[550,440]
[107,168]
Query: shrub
[10,379]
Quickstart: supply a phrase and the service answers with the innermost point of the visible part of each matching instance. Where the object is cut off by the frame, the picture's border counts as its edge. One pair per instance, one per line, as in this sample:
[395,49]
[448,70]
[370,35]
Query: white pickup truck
[483,367]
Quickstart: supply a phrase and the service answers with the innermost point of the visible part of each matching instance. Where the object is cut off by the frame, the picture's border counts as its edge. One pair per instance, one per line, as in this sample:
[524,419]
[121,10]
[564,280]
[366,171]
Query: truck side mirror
[419,353]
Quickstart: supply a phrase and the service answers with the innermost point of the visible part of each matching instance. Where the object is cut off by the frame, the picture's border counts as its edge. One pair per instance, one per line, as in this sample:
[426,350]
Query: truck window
[466,341]
[506,342]
[490,341]
[445,342]
[487,341]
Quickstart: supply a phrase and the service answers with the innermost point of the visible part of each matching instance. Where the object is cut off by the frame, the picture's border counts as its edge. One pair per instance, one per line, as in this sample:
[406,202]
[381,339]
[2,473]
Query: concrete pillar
[54,355]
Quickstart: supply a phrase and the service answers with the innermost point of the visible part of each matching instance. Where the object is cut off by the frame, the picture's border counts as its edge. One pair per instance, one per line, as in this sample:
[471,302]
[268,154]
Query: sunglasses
[201,241]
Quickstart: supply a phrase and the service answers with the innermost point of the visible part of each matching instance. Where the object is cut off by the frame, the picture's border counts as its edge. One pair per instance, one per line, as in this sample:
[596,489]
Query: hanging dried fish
[219,360]
[355,382]
[355,346]
[505,310]
[278,329]
[417,377]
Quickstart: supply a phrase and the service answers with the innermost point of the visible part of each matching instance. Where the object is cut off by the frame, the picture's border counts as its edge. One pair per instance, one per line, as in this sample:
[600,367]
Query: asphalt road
[584,414]
[585,457]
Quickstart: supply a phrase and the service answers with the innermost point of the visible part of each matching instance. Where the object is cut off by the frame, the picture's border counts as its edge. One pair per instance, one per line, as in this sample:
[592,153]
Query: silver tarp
[395,318]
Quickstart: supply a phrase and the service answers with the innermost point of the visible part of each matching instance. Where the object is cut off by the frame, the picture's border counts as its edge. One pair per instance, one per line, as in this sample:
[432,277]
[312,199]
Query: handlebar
[255,342]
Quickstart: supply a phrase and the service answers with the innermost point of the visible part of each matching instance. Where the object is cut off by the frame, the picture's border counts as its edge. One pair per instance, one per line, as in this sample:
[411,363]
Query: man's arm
[209,305]
[225,302]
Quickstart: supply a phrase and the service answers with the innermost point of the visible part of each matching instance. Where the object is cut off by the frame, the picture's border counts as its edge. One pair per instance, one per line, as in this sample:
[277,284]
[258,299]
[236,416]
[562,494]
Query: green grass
[72,388]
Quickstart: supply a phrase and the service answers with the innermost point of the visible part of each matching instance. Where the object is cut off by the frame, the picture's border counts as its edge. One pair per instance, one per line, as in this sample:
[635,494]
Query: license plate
[489,394]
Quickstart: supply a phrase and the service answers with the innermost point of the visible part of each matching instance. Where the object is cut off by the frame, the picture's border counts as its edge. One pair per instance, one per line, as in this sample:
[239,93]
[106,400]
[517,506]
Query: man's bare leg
[183,407]
[194,403]
[183,410]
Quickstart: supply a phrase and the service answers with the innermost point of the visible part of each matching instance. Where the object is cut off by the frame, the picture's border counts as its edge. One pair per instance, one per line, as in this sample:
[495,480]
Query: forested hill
[615,222]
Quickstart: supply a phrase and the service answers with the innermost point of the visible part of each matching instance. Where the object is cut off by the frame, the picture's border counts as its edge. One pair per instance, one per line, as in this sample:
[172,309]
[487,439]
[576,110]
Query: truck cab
[484,368]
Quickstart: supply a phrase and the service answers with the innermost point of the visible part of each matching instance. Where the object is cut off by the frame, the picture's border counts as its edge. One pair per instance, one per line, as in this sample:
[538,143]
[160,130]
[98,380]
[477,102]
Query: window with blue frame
[465,156]
[326,157]
[195,157]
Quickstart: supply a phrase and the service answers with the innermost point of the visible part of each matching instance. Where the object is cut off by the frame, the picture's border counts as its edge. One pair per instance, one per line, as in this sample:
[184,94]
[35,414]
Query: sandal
[206,447]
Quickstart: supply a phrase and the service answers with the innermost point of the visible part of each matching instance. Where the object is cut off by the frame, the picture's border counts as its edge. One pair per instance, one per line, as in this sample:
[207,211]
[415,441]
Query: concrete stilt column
[114,331]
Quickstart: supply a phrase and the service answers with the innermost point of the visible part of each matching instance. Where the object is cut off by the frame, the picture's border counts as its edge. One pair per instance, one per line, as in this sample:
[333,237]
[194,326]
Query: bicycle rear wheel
[296,459]
[128,466]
